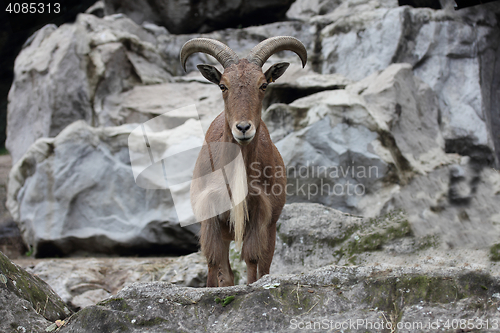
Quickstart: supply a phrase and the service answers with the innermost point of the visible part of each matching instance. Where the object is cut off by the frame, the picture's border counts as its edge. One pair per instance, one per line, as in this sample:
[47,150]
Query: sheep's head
[243,82]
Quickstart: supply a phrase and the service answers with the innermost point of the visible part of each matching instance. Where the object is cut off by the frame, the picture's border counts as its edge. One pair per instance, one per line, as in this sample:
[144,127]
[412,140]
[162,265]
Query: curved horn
[216,49]
[270,46]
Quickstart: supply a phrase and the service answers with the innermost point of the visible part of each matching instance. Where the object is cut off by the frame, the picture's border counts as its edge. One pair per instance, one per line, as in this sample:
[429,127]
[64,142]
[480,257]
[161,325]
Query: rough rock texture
[401,278]
[378,296]
[181,17]
[376,146]
[67,195]
[341,145]
[453,52]
[11,241]
[73,72]
[375,131]
[311,236]
[82,71]
[28,304]
[81,282]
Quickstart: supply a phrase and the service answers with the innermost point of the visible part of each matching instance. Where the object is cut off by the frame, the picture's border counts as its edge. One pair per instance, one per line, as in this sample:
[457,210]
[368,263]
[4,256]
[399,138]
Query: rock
[331,237]
[342,145]
[81,281]
[75,72]
[305,9]
[189,271]
[28,304]
[96,9]
[11,242]
[89,297]
[143,103]
[457,202]
[311,236]
[448,50]
[192,17]
[240,41]
[68,196]
[110,57]
[327,298]
[298,82]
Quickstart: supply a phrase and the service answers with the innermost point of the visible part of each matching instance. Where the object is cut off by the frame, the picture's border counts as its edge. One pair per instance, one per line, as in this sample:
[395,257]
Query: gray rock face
[379,297]
[81,282]
[76,193]
[76,72]
[358,132]
[28,303]
[190,17]
[450,51]
[341,145]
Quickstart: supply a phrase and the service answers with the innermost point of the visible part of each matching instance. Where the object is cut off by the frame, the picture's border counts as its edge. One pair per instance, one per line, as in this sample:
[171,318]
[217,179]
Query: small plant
[224,301]
[29,252]
[495,252]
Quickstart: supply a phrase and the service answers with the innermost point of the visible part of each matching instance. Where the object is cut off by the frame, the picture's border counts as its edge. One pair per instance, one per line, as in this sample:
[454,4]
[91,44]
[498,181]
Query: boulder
[450,51]
[342,145]
[75,72]
[377,298]
[75,194]
[191,17]
[81,282]
[89,71]
[311,236]
[298,82]
[458,202]
[28,303]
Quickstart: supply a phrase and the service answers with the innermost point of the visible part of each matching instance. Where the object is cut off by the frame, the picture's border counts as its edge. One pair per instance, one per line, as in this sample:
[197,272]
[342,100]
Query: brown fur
[255,224]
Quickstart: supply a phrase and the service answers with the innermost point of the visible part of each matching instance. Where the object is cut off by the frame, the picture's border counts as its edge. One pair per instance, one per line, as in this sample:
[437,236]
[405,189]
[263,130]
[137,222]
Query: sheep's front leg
[226,276]
[213,247]
[267,255]
[256,238]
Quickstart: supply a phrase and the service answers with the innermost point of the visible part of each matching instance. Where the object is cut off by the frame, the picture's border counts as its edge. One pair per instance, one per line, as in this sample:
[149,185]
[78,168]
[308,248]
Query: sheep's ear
[275,71]
[210,73]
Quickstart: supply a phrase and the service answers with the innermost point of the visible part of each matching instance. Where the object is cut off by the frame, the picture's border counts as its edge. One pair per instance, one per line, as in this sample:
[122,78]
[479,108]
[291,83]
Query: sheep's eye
[263,86]
[222,87]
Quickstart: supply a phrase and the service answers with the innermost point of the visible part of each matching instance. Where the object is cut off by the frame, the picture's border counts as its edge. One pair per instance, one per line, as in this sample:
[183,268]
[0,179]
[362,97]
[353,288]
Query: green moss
[391,294]
[379,231]
[34,290]
[227,300]
[495,252]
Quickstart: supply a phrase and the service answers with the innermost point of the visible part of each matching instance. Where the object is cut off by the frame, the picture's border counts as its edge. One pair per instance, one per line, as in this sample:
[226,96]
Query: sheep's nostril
[243,127]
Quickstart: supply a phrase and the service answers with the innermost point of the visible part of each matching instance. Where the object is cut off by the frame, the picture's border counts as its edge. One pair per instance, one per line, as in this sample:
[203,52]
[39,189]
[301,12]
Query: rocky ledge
[354,299]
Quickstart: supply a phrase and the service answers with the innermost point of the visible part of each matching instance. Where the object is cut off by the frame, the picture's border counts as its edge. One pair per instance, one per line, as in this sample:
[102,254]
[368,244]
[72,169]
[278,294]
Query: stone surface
[458,202]
[81,282]
[341,145]
[190,17]
[451,51]
[28,303]
[75,72]
[11,242]
[75,194]
[380,295]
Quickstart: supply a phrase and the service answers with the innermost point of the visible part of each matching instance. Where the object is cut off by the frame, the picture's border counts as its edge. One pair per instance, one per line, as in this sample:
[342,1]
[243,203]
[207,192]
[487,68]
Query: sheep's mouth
[244,141]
